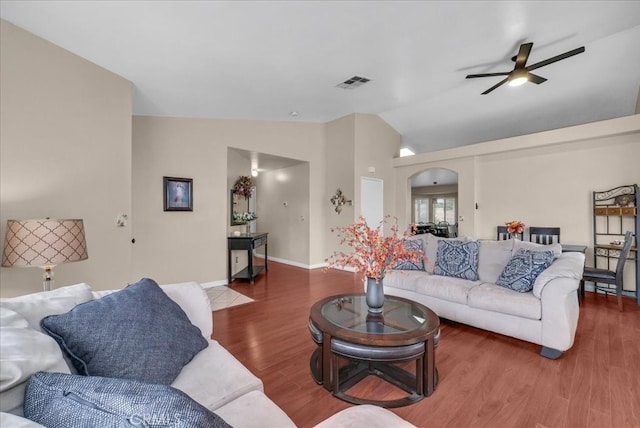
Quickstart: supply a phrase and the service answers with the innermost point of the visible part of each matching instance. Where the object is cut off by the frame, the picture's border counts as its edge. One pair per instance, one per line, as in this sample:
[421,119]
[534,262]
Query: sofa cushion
[430,246]
[523,268]
[494,298]
[63,400]
[404,264]
[25,351]
[532,246]
[135,333]
[365,415]
[215,377]
[442,287]
[457,259]
[34,307]
[493,256]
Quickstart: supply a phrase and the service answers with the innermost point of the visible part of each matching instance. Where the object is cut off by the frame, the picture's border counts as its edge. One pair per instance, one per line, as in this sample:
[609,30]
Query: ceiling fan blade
[523,55]
[471,76]
[502,82]
[534,78]
[556,58]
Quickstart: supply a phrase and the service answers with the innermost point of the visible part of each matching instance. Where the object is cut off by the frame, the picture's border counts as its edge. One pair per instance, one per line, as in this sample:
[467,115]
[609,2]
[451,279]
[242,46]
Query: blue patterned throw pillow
[458,259]
[135,333]
[411,245]
[523,268]
[58,400]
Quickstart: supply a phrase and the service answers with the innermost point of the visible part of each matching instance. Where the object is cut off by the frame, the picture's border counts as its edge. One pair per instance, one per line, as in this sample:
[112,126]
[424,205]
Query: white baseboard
[293,263]
[283,261]
[214,283]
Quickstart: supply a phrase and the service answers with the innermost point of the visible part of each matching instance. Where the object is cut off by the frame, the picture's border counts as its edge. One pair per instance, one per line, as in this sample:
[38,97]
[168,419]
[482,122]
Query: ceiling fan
[521,73]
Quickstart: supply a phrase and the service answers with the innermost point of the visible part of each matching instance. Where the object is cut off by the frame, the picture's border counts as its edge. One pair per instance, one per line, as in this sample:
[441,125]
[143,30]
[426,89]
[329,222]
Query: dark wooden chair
[544,235]
[425,228]
[609,277]
[503,234]
[442,229]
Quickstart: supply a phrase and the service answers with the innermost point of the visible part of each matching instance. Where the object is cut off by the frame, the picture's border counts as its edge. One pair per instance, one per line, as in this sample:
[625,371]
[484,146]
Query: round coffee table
[374,344]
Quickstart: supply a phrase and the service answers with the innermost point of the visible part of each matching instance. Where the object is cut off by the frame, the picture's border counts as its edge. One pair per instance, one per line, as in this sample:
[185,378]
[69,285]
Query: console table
[247,242]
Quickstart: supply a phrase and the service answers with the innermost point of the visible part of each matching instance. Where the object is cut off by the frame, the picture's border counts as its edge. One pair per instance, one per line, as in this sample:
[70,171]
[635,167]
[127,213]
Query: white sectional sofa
[547,315]
[213,378]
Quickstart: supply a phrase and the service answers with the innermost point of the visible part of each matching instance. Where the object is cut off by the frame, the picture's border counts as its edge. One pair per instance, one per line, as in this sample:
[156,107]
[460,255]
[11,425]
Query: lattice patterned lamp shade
[44,244]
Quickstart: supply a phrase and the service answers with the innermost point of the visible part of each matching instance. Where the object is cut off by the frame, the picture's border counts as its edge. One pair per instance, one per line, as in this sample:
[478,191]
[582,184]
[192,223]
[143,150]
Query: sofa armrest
[560,312]
[557,287]
[568,265]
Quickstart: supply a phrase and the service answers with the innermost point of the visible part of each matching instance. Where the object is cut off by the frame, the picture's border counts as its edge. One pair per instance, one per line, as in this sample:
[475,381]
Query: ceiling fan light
[518,81]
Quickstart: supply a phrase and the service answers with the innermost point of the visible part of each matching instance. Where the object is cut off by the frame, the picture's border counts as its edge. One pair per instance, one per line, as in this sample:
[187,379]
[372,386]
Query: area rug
[222,297]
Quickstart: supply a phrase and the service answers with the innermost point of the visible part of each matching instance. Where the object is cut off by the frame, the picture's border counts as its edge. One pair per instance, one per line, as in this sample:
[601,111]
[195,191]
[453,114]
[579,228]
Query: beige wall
[180,246]
[65,152]
[283,211]
[376,144]
[355,143]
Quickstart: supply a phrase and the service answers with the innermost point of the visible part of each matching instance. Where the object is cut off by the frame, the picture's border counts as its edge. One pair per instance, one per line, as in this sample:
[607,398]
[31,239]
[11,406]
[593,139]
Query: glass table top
[351,312]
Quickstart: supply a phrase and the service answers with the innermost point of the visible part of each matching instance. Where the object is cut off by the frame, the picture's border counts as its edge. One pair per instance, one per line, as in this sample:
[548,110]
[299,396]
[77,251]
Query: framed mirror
[238,204]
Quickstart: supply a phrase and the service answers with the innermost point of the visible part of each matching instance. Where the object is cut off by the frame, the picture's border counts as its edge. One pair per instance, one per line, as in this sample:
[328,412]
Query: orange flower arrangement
[515,226]
[373,254]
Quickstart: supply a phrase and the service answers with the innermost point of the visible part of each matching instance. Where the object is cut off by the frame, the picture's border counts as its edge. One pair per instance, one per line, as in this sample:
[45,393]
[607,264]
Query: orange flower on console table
[515,226]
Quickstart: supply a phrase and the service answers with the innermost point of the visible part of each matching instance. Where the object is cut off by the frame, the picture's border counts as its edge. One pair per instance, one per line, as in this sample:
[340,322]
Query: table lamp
[45,244]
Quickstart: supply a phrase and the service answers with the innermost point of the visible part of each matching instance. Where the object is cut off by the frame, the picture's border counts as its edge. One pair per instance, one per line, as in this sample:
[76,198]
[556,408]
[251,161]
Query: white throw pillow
[24,352]
[492,258]
[34,307]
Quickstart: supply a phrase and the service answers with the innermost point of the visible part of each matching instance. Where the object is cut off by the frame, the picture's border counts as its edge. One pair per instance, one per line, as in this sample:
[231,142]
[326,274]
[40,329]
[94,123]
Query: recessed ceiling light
[406,151]
[293,113]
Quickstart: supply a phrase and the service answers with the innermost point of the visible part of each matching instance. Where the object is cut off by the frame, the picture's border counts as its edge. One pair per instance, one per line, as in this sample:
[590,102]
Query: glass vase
[375,295]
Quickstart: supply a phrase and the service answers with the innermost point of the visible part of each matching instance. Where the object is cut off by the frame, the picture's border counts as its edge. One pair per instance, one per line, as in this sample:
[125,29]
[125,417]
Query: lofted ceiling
[263,60]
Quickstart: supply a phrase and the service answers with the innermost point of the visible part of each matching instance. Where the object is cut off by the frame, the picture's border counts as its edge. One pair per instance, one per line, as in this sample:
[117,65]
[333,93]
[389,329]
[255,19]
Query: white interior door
[372,200]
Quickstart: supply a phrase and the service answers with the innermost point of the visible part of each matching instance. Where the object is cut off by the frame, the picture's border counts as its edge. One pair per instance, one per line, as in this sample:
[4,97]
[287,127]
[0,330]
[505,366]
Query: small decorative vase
[514,236]
[375,295]
[248,228]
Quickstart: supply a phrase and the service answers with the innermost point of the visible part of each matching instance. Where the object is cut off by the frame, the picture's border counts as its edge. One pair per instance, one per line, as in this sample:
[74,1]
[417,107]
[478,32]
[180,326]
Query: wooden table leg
[429,367]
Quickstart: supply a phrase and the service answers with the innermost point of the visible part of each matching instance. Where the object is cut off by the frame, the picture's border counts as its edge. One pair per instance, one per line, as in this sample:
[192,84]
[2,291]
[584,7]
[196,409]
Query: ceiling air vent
[353,82]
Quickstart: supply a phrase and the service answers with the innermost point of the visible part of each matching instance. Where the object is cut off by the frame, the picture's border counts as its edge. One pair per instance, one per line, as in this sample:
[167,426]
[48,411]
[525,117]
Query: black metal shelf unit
[614,212]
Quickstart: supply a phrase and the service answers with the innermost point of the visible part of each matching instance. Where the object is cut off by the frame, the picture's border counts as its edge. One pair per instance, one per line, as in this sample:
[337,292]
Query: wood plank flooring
[486,379]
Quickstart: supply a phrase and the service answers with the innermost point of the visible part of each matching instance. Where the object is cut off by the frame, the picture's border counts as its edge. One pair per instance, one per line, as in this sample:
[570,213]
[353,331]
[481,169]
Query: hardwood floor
[486,380]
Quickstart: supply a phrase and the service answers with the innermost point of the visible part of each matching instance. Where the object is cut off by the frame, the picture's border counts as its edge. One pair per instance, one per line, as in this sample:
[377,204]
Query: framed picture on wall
[178,194]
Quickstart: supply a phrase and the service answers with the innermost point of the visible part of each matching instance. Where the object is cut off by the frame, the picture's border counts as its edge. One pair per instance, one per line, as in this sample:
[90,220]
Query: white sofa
[213,378]
[546,315]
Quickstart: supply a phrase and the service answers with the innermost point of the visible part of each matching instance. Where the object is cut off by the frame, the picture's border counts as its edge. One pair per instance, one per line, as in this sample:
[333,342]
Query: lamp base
[47,283]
